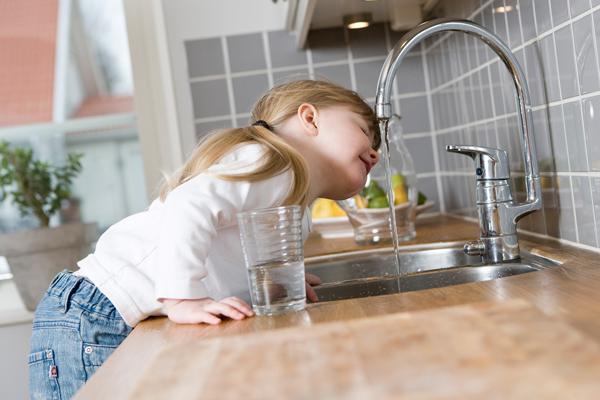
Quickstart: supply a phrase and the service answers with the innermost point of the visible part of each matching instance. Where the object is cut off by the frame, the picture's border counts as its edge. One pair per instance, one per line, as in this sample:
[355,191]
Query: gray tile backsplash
[469,90]
[414,120]
[248,89]
[283,51]
[339,74]
[543,18]
[428,185]
[246,52]
[217,104]
[591,121]
[209,126]
[556,42]
[290,74]
[411,78]
[560,11]
[370,42]
[527,19]
[577,7]
[228,74]
[367,73]
[567,76]
[420,150]
[585,56]
[204,57]
[328,45]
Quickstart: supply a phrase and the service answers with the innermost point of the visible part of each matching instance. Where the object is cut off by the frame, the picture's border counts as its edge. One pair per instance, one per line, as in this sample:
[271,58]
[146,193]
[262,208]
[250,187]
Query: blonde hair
[275,107]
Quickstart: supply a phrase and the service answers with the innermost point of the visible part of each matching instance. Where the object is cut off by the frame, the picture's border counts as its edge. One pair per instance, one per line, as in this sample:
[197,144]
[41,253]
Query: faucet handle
[490,163]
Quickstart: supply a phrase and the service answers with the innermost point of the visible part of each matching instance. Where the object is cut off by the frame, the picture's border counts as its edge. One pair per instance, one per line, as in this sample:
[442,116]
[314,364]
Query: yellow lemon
[326,208]
[400,194]
[337,210]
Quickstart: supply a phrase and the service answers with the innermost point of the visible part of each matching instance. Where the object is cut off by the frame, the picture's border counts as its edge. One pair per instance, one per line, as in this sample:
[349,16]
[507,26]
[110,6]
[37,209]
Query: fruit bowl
[368,211]
[333,227]
[371,225]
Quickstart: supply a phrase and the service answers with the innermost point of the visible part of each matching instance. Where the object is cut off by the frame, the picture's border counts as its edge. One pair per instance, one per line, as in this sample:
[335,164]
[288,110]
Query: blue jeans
[75,329]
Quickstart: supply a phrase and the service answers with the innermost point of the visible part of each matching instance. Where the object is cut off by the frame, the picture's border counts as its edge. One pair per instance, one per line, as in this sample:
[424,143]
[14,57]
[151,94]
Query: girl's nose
[373,156]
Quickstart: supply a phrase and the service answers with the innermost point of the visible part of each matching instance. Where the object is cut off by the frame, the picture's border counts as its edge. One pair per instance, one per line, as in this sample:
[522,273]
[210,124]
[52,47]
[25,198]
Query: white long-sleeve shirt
[188,246]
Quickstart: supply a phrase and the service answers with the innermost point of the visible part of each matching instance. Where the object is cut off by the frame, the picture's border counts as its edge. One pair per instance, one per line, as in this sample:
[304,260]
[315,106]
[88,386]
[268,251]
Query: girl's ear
[308,114]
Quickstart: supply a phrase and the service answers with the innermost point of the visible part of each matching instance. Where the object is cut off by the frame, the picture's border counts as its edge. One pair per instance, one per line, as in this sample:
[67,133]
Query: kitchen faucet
[498,213]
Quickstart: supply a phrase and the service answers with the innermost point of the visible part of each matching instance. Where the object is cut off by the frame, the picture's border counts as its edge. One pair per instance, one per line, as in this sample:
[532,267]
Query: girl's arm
[206,310]
[194,211]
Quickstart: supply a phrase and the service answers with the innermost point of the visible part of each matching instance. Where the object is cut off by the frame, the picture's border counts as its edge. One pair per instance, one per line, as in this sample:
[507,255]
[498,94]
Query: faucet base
[495,250]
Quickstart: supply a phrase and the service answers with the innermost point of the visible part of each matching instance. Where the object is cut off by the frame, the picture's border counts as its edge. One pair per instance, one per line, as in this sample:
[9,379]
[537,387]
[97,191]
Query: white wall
[193,19]
[14,348]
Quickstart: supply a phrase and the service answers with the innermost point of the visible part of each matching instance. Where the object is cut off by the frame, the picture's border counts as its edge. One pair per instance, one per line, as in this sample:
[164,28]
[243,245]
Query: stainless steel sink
[373,272]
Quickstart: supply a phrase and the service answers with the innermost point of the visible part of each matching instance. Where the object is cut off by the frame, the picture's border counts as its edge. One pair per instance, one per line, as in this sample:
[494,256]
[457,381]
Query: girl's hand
[206,310]
[311,280]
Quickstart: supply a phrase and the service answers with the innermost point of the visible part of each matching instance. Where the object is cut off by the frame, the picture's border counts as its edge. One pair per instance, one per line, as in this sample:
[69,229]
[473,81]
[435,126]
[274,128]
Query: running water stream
[383,128]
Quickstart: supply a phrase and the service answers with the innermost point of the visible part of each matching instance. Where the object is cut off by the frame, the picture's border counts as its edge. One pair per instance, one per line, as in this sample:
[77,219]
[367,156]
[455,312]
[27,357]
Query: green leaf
[36,187]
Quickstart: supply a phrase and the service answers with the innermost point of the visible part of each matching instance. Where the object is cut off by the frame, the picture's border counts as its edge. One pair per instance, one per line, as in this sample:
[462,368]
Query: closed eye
[368,133]
[365,130]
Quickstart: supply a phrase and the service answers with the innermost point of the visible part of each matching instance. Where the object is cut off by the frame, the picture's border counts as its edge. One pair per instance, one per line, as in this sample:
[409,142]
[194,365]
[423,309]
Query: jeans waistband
[69,287]
[65,281]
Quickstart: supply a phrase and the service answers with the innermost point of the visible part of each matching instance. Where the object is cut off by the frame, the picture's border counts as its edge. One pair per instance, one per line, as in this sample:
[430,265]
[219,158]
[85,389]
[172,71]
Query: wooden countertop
[570,293]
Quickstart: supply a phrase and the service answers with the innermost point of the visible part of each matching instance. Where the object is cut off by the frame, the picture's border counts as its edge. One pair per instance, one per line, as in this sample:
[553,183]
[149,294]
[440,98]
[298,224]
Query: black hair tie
[263,123]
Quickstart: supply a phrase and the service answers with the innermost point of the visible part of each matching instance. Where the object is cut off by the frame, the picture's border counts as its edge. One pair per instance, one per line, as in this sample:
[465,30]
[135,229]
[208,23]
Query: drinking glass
[273,252]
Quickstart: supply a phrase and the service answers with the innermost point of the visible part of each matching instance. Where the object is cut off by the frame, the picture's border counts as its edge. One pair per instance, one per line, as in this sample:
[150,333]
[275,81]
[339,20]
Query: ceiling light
[503,9]
[357,21]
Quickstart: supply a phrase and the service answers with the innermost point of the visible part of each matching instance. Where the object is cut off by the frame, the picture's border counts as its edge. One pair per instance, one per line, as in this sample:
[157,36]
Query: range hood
[304,15]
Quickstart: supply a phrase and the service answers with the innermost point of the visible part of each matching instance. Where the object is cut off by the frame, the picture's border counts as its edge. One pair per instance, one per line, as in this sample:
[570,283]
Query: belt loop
[56,278]
[66,295]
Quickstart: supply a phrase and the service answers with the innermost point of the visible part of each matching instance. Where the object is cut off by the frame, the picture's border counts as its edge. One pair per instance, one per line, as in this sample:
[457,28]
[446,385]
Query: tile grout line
[402,96]
[229,81]
[311,68]
[520,28]
[463,93]
[595,42]
[217,118]
[426,174]
[562,113]
[267,47]
[570,21]
[282,69]
[436,162]
[502,97]
[585,145]
[242,115]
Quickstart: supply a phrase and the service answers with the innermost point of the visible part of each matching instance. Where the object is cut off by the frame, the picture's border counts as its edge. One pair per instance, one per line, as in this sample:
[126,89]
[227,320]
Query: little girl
[182,256]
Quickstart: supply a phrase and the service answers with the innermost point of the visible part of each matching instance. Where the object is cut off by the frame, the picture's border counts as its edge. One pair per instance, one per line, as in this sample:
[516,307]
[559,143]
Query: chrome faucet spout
[510,212]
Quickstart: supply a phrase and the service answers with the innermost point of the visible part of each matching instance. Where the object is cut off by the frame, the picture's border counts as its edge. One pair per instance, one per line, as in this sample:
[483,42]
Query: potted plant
[40,189]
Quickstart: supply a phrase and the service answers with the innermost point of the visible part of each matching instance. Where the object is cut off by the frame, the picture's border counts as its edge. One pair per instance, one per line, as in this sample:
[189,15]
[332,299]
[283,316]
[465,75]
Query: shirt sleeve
[194,211]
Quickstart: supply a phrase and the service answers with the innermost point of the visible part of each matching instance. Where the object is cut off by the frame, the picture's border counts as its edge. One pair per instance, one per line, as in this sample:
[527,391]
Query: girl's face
[345,143]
